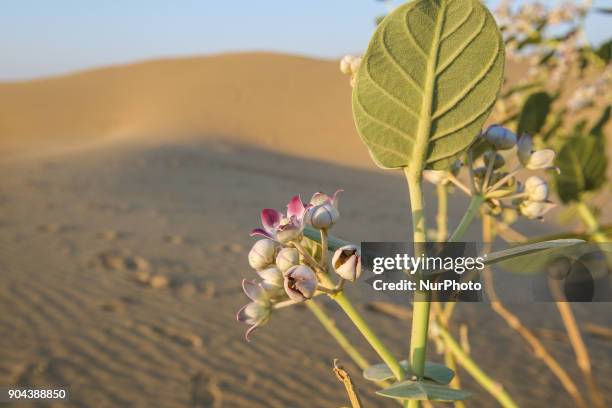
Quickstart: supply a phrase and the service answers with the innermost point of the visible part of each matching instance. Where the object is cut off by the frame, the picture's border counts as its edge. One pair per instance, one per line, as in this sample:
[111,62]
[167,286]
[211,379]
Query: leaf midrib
[425,116]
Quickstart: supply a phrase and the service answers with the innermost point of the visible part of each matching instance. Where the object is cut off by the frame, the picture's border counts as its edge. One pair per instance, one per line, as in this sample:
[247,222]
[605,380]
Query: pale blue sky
[48,37]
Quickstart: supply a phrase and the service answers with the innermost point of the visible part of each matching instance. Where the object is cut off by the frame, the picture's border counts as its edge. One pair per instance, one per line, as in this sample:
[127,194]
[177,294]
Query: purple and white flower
[280,227]
[347,262]
[256,313]
[300,283]
[323,210]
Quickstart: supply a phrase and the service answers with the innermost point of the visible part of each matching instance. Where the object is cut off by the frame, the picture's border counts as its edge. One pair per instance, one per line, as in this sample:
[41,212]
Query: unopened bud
[436,176]
[322,216]
[271,277]
[535,209]
[536,189]
[300,283]
[524,148]
[286,258]
[541,159]
[262,254]
[498,160]
[500,137]
[347,262]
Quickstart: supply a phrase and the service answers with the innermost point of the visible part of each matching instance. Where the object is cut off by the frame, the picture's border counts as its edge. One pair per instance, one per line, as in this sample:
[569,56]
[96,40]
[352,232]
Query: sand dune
[283,103]
[268,100]
[120,264]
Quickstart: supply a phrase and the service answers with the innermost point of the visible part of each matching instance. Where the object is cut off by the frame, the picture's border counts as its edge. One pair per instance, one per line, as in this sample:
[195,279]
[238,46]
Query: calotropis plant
[421,95]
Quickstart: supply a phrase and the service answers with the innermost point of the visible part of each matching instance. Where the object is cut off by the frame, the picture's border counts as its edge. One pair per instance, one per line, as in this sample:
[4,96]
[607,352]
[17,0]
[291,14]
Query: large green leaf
[582,162]
[433,371]
[534,112]
[423,391]
[515,253]
[427,82]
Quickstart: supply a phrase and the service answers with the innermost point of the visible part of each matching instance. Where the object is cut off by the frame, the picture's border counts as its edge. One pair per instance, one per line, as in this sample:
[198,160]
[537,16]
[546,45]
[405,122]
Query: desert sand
[127,200]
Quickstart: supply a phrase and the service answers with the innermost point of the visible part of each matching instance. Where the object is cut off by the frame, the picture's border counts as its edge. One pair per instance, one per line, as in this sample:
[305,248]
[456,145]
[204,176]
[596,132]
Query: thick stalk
[382,350]
[494,388]
[442,216]
[421,305]
[337,334]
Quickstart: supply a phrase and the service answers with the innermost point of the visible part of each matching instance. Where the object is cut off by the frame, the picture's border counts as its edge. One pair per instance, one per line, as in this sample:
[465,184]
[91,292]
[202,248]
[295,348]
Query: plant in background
[422,92]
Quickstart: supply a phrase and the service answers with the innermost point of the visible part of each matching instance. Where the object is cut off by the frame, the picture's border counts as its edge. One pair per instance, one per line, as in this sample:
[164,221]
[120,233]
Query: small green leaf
[433,371]
[427,82]
[534,112]
[423,391]
[583,163]
[526,249]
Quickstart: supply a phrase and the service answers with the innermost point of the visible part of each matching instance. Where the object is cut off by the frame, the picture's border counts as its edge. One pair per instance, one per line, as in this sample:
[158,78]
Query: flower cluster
[489,177]
[293,268]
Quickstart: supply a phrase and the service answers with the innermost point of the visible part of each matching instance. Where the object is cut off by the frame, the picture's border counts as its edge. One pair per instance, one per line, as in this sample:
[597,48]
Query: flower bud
[498,160]
[300,283]
[262,254]
[500,137]
[541,159]
[345,64]
[286,258]
[436,176]
[347,262]
[322,216]
[535,209]
[536,189]
[524,148]
[271,276]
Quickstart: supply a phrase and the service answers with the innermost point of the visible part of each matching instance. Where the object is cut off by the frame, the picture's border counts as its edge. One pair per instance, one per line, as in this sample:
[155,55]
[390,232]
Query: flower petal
[270,218]
[334,198]
[253,290]
[295,208]
[259,231]
[249,331]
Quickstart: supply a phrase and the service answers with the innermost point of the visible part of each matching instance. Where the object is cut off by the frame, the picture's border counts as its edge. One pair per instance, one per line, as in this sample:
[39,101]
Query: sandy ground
[122,256]
[81,233]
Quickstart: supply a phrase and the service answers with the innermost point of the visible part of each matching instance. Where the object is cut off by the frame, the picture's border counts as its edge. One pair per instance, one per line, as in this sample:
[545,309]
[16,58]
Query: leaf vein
[463,124]
[458,25]
[411,36]
[459,97]
[397,65]
[388,94]
[463,47]
[382,123]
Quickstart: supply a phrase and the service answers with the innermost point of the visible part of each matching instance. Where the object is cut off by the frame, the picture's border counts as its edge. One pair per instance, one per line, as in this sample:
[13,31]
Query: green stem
[415,189]
[442,215]
[333,330]
[468,217]
[495,389]
[421,303]
[382,350]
